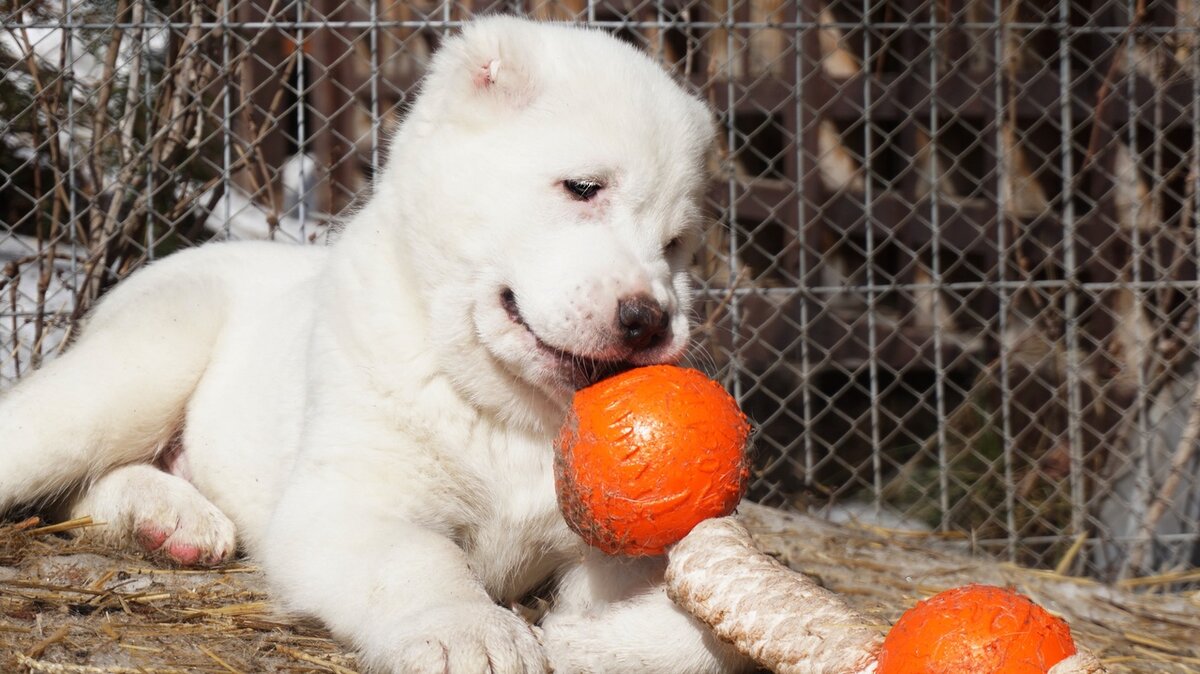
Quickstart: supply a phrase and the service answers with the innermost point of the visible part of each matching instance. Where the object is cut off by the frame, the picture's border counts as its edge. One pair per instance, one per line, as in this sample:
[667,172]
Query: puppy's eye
[583,190]
[673,246]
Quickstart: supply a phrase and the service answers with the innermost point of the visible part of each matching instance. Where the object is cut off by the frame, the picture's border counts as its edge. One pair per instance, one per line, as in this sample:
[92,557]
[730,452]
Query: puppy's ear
[492,62]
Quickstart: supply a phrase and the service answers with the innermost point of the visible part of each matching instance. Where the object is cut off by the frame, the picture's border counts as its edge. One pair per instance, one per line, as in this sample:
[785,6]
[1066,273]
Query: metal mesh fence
[956,285]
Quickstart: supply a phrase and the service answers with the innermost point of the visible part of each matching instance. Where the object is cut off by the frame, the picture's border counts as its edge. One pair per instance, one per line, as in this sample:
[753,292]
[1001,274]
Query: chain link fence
[957,281]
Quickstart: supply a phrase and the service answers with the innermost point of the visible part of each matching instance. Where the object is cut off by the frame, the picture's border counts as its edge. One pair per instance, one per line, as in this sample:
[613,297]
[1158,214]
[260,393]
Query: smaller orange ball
[975,629]
[647,455]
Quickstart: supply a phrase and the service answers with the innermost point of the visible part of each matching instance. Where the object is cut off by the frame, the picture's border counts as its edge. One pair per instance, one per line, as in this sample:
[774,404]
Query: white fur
[372,416]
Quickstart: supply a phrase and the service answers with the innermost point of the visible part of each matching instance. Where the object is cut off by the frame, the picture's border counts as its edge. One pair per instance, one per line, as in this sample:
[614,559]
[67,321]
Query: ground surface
[66,606]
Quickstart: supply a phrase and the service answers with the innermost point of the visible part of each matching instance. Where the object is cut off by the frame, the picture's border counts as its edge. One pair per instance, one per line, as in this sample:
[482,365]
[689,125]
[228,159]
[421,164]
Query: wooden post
[256,128]
[332,100]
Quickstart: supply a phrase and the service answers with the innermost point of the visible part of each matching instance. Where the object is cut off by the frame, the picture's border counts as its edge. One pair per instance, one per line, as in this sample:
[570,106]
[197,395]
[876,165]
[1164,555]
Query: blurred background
[953,276]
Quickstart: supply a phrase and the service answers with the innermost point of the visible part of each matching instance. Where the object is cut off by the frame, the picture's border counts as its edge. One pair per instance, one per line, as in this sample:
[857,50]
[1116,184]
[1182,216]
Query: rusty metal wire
[956,283]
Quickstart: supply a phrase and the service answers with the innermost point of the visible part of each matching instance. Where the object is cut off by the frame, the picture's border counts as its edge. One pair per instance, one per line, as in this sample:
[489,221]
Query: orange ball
[648,454]
[975,629]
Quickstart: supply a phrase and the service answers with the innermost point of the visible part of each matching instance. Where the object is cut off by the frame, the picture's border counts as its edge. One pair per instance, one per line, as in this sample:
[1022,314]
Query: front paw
[464,639]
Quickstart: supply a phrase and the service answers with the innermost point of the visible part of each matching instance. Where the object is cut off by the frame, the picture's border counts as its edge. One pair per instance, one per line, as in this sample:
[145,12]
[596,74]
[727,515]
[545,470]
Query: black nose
[642,322]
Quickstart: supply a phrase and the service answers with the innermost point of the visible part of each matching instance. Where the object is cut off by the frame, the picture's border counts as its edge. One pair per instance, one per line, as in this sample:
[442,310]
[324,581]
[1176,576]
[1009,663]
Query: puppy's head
[555,174]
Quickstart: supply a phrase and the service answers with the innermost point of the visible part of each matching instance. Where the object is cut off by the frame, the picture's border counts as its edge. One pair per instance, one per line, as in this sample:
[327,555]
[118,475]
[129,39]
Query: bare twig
[337,669]
[107,84]
[104,222]
[715,314]
[40,647]
[61,668]
[1185,449]
[1106,86]
[13,276]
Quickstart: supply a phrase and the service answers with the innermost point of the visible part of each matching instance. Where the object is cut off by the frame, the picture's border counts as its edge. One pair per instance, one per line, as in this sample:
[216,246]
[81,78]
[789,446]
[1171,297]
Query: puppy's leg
[160,512]
[402,593]
[118,394]
[613,615]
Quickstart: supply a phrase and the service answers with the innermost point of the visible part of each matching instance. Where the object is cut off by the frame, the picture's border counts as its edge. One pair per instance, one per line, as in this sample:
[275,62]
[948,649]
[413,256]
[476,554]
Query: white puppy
[375,419]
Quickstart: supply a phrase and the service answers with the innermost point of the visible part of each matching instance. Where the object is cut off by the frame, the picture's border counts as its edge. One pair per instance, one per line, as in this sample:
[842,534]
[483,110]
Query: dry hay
[883,572]
[68,606]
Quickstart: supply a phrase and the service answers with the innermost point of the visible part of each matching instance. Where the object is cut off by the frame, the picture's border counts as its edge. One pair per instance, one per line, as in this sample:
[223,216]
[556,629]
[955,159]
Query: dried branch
[107,84]
[50,103]
[104,222]
[1185,449]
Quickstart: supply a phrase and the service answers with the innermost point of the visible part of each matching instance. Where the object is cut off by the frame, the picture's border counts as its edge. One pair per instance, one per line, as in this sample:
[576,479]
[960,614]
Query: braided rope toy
[780,618]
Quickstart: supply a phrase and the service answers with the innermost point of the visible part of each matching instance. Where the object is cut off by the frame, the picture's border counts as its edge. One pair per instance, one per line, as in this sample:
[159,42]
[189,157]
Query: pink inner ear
[486,75]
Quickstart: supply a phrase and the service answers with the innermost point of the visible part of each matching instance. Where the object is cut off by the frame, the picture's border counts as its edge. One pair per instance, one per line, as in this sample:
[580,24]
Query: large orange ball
[975,629]
[648,454]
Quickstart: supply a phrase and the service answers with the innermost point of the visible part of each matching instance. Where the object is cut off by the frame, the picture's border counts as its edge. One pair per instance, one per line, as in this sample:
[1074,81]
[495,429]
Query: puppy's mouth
[581,371]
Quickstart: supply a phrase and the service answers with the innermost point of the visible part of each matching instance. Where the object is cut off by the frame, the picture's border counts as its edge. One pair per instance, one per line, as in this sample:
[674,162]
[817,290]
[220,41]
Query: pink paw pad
[183,553]
[152,537]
